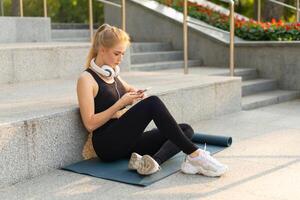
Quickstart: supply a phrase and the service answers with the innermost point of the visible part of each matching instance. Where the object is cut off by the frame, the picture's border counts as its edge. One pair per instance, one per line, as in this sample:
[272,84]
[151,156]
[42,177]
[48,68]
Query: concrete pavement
[264,163]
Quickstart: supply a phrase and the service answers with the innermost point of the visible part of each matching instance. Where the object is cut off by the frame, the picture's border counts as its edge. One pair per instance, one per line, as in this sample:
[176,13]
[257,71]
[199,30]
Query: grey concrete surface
[264,162]
[156,56]
[42,117]
[268,98]
[154,66]
[25,29]
[258,85]
[139,47]
[41,61]
[70,33]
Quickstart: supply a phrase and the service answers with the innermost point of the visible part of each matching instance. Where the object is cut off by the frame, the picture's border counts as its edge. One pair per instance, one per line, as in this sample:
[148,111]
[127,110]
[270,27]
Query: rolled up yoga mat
[212,139]
[118,170]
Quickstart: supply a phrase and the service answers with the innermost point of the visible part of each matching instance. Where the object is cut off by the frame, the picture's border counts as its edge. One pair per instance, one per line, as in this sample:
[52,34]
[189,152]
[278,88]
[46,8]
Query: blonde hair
[106,36]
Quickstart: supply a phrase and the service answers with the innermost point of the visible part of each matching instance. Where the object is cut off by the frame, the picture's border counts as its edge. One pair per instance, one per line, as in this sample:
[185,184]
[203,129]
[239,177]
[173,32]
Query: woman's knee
[187,129]
[153,101]
[153,98]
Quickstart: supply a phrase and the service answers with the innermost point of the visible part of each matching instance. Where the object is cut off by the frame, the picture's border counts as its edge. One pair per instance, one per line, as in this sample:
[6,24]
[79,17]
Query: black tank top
[107,96]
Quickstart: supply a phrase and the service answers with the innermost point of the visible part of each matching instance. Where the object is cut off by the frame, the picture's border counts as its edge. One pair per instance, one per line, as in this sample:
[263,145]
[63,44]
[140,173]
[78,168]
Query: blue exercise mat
[118,170]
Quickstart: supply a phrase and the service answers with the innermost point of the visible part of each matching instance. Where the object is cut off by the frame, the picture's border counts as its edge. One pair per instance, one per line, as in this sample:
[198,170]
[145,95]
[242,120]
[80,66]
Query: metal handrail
[185,37]
[231,49]
[22,9]
[2,9]
[45,8]
[123,14]
[110,3]
[91,19]
[231,43]
[281,4]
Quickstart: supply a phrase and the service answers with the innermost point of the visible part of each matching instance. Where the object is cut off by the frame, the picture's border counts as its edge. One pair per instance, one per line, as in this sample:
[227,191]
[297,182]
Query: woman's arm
[85,96]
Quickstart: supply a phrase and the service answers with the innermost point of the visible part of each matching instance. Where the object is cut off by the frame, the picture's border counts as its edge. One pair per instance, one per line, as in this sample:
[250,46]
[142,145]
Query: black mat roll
[212,139]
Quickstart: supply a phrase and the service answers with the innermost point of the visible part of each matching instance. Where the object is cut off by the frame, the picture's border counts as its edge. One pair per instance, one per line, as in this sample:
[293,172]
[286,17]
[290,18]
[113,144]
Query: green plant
[248,30]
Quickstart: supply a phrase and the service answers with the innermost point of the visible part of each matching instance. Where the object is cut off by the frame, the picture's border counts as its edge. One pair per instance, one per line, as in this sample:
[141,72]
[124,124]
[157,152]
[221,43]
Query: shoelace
[205,149]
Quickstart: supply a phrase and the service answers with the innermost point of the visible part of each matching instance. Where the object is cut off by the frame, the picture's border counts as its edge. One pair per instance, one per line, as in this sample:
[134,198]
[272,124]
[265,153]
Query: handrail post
[45,8]
[231,59]
[21,8]
[185,35]
[91,19]
[297,11]
[123,14]
[258,10]
[2,9]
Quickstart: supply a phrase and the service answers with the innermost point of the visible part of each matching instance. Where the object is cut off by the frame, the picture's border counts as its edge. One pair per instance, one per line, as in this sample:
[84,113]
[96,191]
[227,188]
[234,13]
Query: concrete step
[244,73]
[163,65]
[268,98]
[250,87]
[41,61]
[41,129]
[75,39]
[138,47]
[158,56]
[70,33]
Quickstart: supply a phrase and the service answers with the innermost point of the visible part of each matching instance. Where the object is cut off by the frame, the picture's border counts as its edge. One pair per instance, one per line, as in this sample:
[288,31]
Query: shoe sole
[189,169]
[133,160]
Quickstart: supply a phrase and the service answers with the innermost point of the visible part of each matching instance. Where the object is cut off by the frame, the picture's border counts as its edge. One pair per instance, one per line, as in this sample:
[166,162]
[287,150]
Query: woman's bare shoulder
[86,82]
[85,77]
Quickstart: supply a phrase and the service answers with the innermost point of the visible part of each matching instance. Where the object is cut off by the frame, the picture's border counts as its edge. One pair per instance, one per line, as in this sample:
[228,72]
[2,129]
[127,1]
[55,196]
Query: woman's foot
[204,164]
[145,165]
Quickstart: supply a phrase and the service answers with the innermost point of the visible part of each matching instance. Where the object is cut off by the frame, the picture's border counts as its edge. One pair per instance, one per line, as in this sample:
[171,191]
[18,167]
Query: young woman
[118,132]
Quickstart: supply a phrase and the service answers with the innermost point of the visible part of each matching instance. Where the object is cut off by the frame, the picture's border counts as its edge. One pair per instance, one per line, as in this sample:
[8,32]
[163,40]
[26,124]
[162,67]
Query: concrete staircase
[259,92]
[40,125]
[70,35]
[148,56]
[256,91]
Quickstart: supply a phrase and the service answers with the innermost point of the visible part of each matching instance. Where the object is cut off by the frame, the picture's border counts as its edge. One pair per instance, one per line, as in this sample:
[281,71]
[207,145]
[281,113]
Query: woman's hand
[130,97]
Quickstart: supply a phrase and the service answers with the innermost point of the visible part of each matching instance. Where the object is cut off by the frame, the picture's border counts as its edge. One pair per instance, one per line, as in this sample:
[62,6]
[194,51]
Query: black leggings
[126,135]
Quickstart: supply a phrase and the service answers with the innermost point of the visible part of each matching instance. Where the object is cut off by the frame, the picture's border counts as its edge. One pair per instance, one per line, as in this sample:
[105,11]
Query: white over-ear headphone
[105,70]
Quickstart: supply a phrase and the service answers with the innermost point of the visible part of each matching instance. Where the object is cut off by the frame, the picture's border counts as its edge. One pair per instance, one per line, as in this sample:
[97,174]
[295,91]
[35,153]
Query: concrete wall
[24,29]
[36,146]
[278,60]
[41,62]
[44,61]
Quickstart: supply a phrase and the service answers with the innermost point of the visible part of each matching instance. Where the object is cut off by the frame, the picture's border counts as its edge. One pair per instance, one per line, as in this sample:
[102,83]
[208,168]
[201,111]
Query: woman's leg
[118,139]
[154,143]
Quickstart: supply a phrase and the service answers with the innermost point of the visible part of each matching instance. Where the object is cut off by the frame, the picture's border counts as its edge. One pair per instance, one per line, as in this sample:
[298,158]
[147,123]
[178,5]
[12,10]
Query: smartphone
[144,90]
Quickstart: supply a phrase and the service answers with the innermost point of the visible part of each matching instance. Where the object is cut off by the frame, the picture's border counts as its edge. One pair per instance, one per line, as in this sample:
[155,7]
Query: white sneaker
[148,166]
[203,164]
[134,161]
[145,165]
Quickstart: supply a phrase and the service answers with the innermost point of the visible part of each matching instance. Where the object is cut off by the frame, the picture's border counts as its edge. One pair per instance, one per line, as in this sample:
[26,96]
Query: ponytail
[106,36]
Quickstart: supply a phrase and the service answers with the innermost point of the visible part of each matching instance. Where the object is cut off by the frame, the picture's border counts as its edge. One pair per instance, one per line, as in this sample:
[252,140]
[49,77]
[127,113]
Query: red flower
[280,23]
[287,28]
